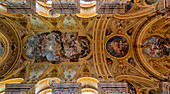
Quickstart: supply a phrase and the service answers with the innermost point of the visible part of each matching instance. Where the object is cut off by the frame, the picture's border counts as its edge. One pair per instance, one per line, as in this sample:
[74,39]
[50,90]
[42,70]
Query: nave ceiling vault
[132,48]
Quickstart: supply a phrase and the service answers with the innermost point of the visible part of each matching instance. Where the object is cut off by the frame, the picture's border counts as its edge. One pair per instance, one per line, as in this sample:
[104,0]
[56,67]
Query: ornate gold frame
[129,44]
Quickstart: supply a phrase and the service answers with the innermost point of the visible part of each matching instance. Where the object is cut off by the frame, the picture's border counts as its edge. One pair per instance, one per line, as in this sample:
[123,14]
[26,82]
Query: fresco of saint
[117,46]
[157,46]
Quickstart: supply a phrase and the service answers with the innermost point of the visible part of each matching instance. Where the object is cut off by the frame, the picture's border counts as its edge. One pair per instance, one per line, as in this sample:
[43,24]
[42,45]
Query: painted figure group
[157,46]
[57,47]
[117,46]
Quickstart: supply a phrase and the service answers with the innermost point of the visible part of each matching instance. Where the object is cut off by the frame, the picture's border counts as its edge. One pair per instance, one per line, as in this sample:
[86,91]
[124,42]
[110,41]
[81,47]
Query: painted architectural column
[165,87]
[19,89]
[163,7]
[66,88]
[28,6]
[110,6]
[45,85]
[31,90]
[88,84]
[70,6]
[111,88]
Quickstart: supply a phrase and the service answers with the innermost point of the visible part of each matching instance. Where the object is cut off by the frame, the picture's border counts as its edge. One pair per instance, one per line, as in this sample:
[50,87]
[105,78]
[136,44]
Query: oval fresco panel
[156,46]
[117,46]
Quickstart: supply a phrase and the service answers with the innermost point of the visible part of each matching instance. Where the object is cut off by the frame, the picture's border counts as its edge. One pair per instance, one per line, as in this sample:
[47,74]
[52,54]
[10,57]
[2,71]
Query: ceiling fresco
[57,47]
[133,47]
[117,46]
[156,46]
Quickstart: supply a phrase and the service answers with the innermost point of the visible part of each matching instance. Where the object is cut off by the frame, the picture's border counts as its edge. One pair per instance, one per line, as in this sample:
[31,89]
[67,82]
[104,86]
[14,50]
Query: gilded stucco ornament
[10,46]
[124,47]
[4,47]
[155,47]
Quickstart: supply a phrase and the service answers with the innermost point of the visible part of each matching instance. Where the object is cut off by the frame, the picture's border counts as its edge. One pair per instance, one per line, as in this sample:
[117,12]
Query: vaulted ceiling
[133,46]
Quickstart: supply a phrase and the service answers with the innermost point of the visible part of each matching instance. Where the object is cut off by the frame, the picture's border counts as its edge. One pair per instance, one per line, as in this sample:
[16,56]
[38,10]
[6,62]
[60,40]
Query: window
[86,2]
[48,93]
[88,92]
[48,2]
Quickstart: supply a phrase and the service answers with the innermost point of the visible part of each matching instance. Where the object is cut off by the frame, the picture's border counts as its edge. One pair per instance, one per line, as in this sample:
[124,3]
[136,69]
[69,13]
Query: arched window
[88,92]
[10,81]
[44,86]
[88,85]
[49,93]
[86,1]
[49,2]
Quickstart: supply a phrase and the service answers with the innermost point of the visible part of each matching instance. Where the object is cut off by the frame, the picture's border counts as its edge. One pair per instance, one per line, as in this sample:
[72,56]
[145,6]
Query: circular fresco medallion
[117,46]
[3,47]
